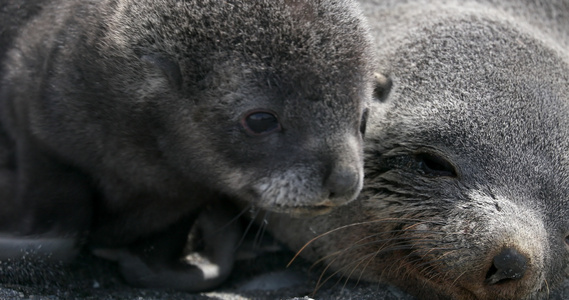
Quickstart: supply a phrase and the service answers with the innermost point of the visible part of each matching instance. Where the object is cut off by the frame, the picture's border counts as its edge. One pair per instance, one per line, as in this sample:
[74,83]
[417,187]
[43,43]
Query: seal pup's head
[467,166]
[265,100]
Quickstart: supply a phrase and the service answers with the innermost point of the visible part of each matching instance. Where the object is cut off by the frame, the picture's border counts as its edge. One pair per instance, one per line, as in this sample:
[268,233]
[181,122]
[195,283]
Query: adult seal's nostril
[507,265]
[342,184]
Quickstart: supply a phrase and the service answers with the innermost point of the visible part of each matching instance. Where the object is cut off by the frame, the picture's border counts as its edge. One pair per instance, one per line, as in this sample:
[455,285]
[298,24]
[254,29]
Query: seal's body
[121,118]
[467,161]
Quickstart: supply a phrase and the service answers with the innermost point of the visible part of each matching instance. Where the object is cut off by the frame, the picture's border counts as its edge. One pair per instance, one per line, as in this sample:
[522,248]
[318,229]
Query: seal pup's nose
[342,184]
[509,264]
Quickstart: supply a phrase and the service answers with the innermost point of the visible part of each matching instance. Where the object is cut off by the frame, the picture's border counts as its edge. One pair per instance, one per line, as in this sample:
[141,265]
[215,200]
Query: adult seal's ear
[166,66]
[382,87]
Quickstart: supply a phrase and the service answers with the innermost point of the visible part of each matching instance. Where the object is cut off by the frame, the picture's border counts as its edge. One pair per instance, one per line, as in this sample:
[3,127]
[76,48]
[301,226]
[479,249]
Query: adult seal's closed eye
[122,118]
[467,174]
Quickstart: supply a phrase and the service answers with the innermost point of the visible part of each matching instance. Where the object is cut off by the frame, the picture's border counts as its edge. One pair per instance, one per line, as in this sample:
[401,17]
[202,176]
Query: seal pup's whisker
[237,217]
[254,214]
[261,230]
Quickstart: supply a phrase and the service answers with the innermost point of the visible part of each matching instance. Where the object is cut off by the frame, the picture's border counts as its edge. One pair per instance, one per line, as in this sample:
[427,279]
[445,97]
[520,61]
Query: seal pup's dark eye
[363,122]
[435,165]
[260,122]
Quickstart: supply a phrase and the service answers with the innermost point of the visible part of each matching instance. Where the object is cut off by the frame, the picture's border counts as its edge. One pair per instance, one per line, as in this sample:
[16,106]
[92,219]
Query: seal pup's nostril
[507,265]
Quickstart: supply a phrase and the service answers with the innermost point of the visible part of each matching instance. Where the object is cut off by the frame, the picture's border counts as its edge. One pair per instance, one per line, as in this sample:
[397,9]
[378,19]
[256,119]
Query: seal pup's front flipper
[159,265]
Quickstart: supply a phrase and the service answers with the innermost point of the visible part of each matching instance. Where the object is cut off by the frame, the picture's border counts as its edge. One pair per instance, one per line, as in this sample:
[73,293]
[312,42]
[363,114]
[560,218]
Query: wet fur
[485,87]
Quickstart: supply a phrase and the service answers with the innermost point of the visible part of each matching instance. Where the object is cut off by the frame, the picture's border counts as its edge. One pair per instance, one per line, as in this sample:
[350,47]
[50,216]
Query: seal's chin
[440,284]
[419,284]
[309,211]
[301,211]
[296,206]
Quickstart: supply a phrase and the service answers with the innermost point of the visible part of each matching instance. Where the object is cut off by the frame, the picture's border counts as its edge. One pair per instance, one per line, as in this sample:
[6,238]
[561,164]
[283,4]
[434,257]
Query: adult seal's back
[466,193]
[121,118]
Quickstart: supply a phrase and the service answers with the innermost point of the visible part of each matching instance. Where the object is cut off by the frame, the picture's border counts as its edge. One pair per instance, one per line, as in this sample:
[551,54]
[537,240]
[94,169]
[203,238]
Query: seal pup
[121,118]
[466,191]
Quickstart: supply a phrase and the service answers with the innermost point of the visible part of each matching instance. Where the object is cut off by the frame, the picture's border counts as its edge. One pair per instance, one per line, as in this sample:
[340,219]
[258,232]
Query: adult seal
[466,193]
[120,119]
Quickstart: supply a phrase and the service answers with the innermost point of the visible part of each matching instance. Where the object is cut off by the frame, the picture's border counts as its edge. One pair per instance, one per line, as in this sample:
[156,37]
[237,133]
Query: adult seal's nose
[342,184]
[507,265]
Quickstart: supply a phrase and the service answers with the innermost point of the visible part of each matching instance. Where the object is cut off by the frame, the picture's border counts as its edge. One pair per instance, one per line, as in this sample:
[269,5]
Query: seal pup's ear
[168,67]
[382,87]
[301,9]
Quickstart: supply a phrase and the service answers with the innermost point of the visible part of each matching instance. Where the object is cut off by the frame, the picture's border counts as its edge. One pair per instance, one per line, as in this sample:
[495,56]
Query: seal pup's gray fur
[466,193]
[121,118]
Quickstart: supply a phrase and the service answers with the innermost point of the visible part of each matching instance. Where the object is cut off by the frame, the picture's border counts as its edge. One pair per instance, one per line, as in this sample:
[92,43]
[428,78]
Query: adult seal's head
[467,161]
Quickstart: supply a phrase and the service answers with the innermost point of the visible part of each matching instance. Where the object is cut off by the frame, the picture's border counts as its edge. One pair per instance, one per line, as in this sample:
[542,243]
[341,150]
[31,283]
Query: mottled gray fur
[466,193]
[119,119]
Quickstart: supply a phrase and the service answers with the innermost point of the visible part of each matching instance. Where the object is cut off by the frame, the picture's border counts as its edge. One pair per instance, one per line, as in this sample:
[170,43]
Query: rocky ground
[262,276]
[257,275]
